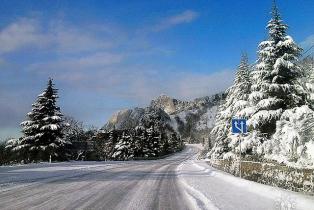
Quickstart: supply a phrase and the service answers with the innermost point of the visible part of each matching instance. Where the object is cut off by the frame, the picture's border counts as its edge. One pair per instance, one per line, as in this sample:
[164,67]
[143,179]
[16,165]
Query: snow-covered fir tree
[307,66]
[292,142]
[151,138]
[109,145]
[236,101]
[154,130]
[43,138]
[175,143]
[275,77]
[280,102]
[159,139]
[241,89]
[122,150]
[149,150]
[281,122]
[139,140]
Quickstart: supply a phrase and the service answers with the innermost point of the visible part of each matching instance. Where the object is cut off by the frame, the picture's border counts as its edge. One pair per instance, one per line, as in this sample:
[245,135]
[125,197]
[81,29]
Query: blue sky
[110,55]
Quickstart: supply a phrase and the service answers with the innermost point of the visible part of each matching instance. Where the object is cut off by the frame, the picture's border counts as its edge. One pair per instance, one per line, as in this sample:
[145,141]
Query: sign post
[239,127]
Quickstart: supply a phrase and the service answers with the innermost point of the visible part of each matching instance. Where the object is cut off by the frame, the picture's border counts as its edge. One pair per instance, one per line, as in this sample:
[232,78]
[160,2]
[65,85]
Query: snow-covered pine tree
[293,142]
[152,123]
[239,92]
[131,143]
[159,138]
[235,102]
[155,144]
[307,66]
[218,135]
[43,138]
[149,143]
[109,145]
[139,137]
[174,142]
[279,100]
[275,87]
[122,148]
[143,142]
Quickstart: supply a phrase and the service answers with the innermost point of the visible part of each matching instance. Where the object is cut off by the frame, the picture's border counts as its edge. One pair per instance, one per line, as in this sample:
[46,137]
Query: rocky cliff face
[193,120]
[170,105]
[125,119]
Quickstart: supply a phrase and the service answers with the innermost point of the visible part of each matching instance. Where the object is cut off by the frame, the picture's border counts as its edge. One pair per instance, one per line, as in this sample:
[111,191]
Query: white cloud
[56,36]
[186,86]
[111,75]
[184,17]
[191,85]
[22,33]
[97,59]
[71,39]
[100,59]
[77,64]
[103,61]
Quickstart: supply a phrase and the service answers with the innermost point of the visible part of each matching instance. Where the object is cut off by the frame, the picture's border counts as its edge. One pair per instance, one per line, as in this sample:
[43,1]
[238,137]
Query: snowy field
[177,182]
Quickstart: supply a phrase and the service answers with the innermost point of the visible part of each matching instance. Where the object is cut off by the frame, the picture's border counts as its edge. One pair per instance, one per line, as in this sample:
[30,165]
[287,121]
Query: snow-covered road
[177,182]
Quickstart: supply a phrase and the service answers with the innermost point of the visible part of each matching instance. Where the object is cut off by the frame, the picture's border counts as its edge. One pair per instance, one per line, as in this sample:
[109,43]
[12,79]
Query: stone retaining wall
[299,180]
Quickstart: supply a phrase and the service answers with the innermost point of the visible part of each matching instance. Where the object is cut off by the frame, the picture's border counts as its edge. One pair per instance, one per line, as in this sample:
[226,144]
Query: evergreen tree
[139,138]
[280,101]
[277,107]
[122,148]
[241,89]
[148,139]
[235,102]
[159,138]
[293,141]
[109,145]
[175,143]
[144,144]
[43,138]
[307,66]
[275,87]
[149,142]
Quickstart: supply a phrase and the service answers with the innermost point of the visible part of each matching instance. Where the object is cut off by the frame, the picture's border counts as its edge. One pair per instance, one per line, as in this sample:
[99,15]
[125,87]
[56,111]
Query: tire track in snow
[198,200]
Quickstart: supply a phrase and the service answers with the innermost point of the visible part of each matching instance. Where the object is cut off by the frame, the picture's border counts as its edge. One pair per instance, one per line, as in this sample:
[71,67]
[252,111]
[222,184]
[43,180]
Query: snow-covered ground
[209,188]
[177,182]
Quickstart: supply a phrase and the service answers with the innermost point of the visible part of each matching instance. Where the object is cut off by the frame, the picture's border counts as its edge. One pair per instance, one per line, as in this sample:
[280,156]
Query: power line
[308,50]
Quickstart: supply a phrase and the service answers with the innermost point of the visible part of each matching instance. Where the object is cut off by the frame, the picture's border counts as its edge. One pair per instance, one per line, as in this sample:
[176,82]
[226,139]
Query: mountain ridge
[193,119]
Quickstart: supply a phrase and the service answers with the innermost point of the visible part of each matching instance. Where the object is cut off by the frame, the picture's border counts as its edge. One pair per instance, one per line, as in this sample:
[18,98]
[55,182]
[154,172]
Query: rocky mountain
[193,120]
[125,119]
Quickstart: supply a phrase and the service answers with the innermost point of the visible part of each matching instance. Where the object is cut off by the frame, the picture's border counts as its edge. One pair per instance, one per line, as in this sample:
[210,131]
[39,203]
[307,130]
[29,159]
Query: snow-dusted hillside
[193,120]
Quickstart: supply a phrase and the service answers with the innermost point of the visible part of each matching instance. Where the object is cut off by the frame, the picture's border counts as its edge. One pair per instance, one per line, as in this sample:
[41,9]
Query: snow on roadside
[196,198]
[208,188]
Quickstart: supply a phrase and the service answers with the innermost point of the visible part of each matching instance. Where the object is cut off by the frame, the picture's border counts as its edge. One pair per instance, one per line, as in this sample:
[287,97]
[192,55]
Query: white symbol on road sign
[239,126]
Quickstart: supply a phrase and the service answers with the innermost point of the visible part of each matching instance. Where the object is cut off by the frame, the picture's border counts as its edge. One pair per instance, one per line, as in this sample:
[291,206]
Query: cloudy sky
[110,55]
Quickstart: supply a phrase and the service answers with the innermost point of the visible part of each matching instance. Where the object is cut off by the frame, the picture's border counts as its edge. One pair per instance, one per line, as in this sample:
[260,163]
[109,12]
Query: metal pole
[240,156]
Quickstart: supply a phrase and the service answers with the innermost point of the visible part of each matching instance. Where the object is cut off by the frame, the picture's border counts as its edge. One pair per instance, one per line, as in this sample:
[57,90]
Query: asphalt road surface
[178,182]
[95,185]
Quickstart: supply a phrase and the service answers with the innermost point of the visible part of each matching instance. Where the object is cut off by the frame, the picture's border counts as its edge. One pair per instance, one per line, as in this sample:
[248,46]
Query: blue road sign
[239,126]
